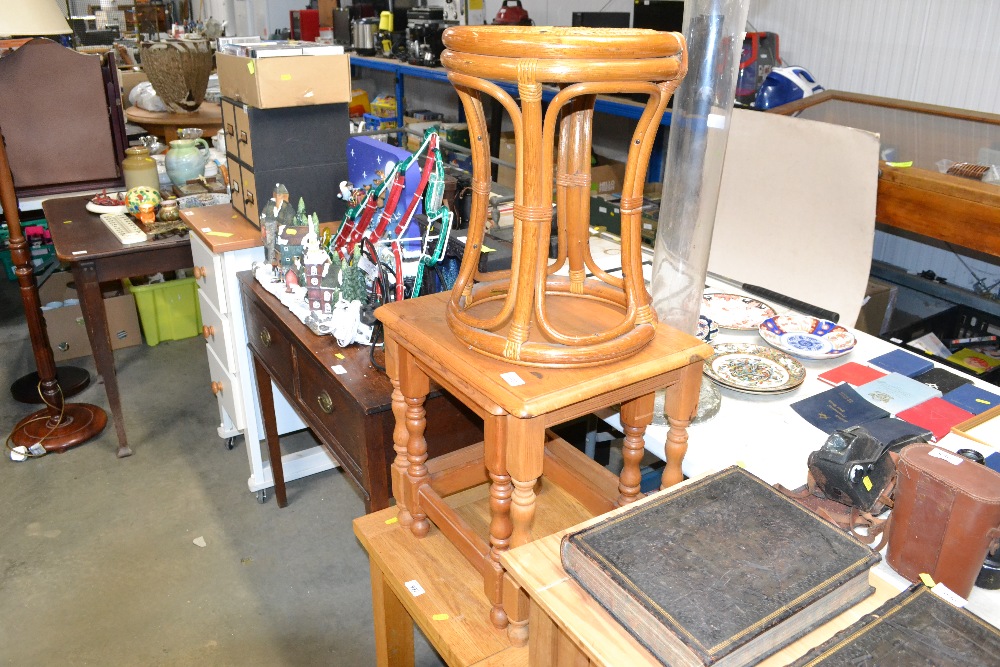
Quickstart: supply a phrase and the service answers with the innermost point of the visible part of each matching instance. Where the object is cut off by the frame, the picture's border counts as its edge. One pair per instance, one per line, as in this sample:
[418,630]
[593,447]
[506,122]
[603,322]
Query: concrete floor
[97,560]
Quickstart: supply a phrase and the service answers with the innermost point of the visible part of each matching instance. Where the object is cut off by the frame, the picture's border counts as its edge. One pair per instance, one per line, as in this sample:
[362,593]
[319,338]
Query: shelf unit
[623,108]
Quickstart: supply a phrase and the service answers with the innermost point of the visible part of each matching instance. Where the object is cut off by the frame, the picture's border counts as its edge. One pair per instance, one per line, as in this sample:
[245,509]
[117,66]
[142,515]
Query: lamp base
[80,422]
[72,380]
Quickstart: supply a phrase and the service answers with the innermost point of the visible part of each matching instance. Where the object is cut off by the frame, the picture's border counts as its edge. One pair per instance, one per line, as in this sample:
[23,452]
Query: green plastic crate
[168,310]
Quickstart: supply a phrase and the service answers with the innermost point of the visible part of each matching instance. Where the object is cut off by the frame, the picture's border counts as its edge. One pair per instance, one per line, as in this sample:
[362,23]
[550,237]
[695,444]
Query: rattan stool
[530,315]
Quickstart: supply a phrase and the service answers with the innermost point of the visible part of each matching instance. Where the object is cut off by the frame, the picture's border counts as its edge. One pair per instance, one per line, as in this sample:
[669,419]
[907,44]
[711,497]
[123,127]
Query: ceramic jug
[186,160]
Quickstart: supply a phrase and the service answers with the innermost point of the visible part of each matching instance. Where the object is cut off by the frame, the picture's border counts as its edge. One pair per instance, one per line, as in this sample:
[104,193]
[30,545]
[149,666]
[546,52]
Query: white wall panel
[934,51]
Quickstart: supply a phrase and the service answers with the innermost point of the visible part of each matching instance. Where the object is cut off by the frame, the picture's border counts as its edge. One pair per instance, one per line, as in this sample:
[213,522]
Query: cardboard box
[607,177]
[880,302]
[66,328]
[290,81]
[326,8]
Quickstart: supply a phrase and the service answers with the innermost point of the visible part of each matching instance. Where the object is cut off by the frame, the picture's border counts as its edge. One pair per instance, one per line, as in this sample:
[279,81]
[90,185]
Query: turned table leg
[636,415]
[681,405]
[414,387]
[400,435]
[500,518]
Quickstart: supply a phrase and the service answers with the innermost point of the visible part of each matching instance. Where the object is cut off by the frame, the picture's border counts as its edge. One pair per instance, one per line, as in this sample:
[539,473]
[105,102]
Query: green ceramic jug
[186,160]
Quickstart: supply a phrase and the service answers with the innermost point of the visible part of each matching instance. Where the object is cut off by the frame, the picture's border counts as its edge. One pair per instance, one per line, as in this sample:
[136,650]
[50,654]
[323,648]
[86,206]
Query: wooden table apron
[207,117]
[95,256]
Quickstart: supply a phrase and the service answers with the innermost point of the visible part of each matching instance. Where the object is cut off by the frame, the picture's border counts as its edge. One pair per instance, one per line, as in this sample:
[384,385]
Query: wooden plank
[453,612]
[594,486]
[394,632]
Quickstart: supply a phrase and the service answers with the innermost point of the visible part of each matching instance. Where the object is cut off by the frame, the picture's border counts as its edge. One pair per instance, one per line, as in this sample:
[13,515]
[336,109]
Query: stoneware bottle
[139,168]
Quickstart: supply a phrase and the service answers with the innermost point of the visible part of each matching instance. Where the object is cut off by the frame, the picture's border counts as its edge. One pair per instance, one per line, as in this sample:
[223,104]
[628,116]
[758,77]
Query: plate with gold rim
[807,337]
[753,368]
[735,311]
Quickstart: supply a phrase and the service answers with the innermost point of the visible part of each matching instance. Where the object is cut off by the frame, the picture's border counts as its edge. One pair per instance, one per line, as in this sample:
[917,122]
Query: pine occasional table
[518,404]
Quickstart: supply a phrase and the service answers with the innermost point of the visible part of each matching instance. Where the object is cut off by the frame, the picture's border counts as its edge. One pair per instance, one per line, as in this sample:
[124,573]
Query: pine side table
[518,404]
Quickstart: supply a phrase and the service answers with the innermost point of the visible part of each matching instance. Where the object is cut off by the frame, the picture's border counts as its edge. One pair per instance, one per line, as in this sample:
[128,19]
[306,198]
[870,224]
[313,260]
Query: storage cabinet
[222,245]
[303,148]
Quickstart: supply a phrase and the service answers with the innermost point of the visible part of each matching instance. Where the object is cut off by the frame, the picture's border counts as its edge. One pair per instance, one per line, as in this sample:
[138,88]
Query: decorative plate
[735,311]
[754,368]
[107,203]
[707,329]
[807,337]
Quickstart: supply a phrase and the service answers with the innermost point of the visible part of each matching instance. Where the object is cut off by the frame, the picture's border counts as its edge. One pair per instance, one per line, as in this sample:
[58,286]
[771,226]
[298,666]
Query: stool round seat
[567,311]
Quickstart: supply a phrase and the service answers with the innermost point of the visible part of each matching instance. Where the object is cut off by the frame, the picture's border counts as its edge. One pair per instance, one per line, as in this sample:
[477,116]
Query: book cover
[942,379]
[976,361]
[836,408]
[936,415]
[892,431]
[723,571]
[972,398]
[895,393]
[852,373]
[916,627]
[902,362]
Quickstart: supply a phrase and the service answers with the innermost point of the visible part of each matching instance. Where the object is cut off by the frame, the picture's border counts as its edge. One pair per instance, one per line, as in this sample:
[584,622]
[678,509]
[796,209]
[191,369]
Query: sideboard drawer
[227,390]
[215,331]
[336,412]
[269,343]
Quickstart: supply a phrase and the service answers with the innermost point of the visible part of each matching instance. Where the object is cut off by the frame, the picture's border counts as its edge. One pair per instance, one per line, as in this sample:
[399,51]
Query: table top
[221,228]
[78,234]
[420,325]
[453,611]
[209,113]
[536,566]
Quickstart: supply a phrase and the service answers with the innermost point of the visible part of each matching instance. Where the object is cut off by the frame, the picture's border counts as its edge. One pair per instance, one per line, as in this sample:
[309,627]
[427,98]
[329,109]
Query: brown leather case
[946,514]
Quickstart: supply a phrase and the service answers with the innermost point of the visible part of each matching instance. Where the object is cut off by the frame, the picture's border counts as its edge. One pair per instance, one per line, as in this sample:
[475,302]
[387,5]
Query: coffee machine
[425,26]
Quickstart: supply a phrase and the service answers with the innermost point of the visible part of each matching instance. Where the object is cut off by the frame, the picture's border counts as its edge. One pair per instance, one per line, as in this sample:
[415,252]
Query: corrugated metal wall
[936,51]
[943,52]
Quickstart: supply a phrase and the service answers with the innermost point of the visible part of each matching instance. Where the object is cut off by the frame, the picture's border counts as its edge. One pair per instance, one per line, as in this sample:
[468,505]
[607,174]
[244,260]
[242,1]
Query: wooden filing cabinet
[222,244]
[303,148]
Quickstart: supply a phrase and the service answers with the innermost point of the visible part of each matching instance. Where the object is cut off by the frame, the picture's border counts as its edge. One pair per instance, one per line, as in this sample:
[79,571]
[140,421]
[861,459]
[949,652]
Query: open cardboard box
[66,328]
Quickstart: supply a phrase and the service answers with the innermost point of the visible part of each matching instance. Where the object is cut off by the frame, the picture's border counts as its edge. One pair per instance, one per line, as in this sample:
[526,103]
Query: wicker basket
[179,71]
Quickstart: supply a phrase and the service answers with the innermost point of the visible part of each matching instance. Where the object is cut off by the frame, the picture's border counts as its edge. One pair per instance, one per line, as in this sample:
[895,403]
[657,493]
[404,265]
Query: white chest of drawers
[223,243]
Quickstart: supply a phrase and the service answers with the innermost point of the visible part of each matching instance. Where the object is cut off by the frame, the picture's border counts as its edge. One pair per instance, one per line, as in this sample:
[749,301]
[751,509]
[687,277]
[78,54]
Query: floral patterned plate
[807,337]
[735,311]
[707,329]
[754,368]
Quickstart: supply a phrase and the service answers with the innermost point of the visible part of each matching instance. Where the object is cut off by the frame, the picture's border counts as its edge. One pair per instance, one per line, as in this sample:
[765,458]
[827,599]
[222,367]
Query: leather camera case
[946,515]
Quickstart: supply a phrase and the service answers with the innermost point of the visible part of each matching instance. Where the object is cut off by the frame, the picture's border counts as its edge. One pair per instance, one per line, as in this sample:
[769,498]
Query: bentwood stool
[525,349]
[510,315]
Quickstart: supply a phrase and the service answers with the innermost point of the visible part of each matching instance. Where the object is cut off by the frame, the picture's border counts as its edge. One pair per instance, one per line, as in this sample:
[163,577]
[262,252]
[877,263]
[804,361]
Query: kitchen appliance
[760,55]
[342,26]
[512,13]
[304,24]
[364,32]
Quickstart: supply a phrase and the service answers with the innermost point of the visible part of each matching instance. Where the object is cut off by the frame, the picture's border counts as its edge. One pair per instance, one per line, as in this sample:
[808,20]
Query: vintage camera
[853,466]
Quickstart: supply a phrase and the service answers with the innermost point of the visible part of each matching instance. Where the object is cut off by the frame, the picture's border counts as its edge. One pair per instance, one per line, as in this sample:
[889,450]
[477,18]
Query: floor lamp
[59,425]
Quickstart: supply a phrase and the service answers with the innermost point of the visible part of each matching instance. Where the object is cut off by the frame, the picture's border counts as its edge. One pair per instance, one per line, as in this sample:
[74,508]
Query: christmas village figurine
[289,241]
[322,278]
[276,214]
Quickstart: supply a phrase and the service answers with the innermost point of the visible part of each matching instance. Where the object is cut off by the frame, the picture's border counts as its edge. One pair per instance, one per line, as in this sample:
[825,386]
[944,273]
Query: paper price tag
[339,355]
[512,378]
[79,252]
[949,595]
[440,617]
[250,67]
[867,482]
[945,456]
[414,587]
[338,369]
[286,77]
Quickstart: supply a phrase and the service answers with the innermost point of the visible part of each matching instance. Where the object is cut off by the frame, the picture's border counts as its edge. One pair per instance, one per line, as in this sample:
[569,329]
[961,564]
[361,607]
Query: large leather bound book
[914,629]
[722,571]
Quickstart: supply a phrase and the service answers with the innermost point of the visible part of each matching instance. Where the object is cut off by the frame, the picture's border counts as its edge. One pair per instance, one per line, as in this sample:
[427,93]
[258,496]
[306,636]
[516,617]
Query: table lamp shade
[21,18]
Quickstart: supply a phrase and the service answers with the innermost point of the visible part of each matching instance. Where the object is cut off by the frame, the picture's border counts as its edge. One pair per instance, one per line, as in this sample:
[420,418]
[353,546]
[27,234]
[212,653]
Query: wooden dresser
[340,396]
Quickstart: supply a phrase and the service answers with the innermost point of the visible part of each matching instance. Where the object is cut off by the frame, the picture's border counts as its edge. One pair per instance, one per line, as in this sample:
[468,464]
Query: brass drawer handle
[265,337]
[325,402]
[235,185]
[244,139]
[230,130]
[249,199]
